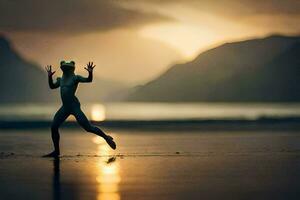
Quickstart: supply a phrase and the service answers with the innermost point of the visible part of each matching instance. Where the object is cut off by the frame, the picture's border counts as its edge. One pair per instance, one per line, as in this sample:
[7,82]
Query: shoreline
[263,123]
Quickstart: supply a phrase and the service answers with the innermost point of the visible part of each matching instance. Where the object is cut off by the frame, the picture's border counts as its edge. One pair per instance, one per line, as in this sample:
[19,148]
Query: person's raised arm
[52,85]
[88,79]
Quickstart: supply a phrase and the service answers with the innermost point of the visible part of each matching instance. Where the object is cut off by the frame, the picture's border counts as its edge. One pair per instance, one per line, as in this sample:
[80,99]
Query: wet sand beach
[151,165]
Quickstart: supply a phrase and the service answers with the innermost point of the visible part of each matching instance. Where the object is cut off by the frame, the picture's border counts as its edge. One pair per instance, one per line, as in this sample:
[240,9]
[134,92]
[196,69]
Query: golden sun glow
[108,174]
[187,39]
[98,140]
[98,112]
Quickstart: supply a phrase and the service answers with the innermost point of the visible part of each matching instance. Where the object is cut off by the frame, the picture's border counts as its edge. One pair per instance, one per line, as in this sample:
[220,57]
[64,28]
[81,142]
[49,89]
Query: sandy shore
[151,165]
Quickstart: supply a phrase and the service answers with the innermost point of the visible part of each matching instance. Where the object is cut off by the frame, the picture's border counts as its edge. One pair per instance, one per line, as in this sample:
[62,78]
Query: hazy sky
[135,40]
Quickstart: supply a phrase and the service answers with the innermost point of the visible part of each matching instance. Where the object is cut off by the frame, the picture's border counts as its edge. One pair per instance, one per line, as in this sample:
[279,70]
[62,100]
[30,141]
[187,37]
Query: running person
[70,104]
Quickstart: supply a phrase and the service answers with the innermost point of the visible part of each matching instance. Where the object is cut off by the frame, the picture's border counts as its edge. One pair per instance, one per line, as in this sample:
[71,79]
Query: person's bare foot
[53,154]
[110,142]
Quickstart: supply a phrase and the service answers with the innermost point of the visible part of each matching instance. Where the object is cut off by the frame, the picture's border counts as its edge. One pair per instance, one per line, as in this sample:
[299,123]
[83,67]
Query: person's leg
[86,125]
[60,116]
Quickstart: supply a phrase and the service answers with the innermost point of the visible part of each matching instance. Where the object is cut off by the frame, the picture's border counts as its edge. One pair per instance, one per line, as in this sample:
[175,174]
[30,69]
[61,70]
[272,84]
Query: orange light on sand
[109,197]
[108,177]
[98,140]
[98,112]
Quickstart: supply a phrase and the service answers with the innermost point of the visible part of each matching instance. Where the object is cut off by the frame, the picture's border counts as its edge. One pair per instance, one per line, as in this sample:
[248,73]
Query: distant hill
[21,81]
[25,82]
[258,70]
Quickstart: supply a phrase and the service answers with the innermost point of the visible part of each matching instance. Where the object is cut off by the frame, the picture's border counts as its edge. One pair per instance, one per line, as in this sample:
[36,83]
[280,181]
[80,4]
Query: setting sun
[98,112]
[187,39]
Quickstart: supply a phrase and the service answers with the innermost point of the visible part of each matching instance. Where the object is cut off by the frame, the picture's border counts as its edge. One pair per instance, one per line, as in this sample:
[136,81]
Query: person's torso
[68,87]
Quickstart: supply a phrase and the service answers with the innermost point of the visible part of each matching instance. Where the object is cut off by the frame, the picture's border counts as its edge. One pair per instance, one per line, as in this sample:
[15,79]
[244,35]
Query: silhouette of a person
[70,104]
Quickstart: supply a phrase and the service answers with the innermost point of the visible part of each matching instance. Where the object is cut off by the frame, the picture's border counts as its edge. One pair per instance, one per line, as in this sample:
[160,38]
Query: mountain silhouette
[23,81]
[257,70]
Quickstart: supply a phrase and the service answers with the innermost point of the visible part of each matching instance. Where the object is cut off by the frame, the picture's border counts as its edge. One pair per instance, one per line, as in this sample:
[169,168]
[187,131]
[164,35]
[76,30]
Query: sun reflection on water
[108,176]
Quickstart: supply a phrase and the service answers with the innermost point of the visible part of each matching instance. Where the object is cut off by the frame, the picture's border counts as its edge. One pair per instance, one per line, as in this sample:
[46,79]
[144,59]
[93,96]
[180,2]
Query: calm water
[151,165]
[156,111]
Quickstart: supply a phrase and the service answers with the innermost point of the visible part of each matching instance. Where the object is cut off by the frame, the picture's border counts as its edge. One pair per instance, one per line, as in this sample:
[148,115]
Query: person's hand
[49,70]
[89,67]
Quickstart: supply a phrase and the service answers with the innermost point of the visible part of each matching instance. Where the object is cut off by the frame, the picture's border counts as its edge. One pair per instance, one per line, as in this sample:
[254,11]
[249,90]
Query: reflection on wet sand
[108,177]
[56,179]
[210,165]
[105,172]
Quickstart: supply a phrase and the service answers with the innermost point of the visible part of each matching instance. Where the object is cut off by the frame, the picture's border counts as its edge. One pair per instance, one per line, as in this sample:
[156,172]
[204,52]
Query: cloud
[268,15]
[240,8]
[94,15]
[235,7]
[70,15]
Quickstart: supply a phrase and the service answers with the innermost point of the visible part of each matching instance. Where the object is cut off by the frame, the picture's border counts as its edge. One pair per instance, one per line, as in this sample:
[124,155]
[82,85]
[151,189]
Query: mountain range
[257,70]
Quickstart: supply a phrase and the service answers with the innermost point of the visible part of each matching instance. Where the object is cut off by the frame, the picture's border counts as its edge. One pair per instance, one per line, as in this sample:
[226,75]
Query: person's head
[67,67]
